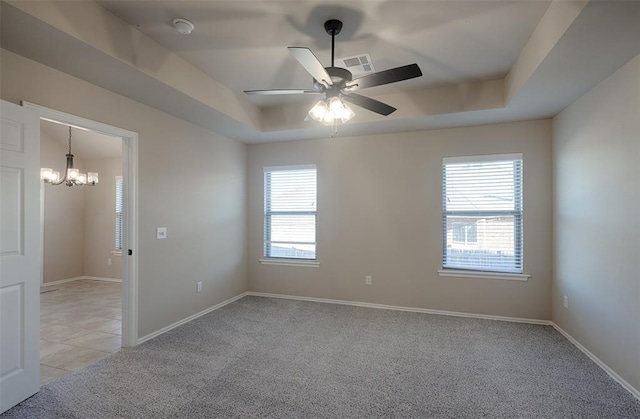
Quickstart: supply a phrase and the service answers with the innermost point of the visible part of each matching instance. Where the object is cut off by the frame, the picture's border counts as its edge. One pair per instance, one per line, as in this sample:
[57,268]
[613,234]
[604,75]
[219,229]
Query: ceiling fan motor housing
[339,76]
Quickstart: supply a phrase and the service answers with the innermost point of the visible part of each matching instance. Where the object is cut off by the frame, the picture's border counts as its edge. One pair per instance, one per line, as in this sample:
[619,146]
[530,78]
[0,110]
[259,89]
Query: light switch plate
[161,233]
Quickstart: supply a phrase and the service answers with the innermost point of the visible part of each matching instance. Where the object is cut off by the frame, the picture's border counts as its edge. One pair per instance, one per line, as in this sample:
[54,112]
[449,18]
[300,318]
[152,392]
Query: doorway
[81,275]
[129,141]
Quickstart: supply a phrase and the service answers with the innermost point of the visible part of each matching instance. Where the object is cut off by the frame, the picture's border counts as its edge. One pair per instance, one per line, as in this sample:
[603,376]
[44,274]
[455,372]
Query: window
[290,212]
[118,212]
[482,213]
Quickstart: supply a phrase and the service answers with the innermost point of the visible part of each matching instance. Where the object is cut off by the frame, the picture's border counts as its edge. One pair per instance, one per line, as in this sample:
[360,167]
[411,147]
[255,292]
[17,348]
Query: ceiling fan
[338,84]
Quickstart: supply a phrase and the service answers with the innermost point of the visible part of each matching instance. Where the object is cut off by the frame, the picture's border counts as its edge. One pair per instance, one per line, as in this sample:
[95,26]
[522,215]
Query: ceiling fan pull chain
[334,128]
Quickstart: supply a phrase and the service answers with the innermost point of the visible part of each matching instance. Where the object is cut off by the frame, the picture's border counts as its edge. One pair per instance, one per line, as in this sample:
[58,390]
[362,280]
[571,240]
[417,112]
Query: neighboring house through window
[290,212]
[465,232]
[118,212]
[482,213]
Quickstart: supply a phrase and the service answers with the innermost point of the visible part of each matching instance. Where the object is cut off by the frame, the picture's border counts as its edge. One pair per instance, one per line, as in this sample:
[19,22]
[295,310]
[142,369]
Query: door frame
[130,216]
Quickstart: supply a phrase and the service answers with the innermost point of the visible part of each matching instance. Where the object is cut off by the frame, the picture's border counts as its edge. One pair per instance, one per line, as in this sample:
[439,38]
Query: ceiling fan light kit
[338,85]
[330,112]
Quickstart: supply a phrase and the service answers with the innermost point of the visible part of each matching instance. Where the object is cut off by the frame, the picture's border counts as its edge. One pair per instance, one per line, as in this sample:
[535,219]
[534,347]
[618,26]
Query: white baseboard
[188,319]
[401,308]
[631,389]
[99,278]
[62,281]
[79,278]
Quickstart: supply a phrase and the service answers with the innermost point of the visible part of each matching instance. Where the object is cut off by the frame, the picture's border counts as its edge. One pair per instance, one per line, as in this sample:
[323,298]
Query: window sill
[290,262]
[483,275]
[116,252]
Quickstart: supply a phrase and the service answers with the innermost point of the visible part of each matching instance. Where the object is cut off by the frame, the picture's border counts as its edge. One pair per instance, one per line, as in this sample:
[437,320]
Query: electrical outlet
[161,233]
[199,286]
[565,302]
[108,261]
[367,280]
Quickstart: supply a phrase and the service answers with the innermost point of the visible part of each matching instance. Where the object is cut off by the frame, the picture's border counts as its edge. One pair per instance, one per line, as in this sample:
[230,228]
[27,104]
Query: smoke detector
[183,26]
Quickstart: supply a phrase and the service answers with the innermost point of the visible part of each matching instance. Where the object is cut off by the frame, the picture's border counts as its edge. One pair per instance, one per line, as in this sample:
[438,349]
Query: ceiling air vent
[358,65]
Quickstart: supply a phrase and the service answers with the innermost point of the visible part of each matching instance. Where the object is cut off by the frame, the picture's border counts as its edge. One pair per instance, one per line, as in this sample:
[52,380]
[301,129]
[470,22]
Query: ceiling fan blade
[311,63]
[281,92]
[368,103]
[385,77]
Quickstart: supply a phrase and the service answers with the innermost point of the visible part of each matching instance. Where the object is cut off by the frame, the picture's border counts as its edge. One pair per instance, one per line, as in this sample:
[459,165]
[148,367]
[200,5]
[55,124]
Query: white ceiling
[242,44]
[85,145]
[483,62]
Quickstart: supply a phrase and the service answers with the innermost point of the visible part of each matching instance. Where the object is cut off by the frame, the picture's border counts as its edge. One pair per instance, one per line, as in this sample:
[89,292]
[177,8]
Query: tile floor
[80,323]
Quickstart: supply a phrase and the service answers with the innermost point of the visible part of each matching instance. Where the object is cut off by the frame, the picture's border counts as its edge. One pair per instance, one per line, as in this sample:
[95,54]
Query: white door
[19,254]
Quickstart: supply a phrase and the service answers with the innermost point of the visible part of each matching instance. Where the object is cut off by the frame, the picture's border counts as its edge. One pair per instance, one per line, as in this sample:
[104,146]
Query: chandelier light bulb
[92,178]
[73,173]
[82,179]
[46,174]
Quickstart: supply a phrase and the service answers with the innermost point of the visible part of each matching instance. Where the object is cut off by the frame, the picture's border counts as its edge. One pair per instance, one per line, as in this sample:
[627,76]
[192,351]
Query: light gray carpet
[263,357]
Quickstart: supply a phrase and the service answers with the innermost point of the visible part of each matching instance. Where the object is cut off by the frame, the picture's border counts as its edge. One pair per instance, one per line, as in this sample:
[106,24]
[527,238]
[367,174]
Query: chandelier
[72,176]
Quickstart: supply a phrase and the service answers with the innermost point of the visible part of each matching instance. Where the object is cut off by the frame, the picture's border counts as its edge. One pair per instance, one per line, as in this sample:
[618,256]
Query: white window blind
[482,213]
[118,212]
[290,212]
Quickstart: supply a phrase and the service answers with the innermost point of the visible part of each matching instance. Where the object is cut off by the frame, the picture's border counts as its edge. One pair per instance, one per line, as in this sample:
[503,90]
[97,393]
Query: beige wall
[100,221]
[191,181]
[379,214]
[597,222]
[63,218]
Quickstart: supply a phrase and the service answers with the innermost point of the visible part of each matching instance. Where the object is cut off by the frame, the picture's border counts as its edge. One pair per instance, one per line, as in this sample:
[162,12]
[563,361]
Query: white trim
[77,121]
[130,220]
[631,389]
[290,262]
[80,278]
[401,308]
[62,281]
[130,240]
[484,275]
[291,167]
[482,158]
[188,319]
[100,278]
[116,252]
[41,228]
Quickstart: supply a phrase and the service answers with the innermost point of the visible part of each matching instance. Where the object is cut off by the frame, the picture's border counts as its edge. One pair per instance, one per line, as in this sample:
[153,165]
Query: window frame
[517,213]
[267,258]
